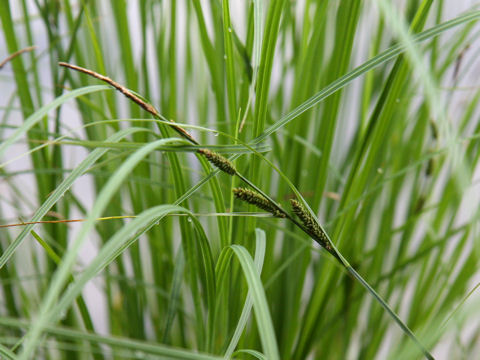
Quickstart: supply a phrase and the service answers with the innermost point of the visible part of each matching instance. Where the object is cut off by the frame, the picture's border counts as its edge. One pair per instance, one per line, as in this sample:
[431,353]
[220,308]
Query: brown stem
[15,54]
[146,106]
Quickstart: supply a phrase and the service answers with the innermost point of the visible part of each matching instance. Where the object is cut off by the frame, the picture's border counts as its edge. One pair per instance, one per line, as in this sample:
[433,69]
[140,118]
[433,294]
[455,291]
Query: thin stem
[15,54]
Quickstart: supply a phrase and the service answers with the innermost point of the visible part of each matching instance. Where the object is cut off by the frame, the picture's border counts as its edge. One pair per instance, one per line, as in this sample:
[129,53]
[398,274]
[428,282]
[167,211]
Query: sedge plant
[362,114]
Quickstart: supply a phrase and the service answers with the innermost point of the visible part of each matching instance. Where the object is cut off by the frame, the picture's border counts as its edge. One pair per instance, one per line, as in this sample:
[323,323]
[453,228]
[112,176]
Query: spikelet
[219,161]
[312,226]
[258,200]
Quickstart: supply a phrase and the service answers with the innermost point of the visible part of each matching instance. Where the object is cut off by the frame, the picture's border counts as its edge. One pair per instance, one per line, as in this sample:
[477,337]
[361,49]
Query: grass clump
[332,106]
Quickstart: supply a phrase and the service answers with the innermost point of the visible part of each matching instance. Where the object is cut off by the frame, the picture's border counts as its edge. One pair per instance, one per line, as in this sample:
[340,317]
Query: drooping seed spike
[219,161]
[310,224]
[136,99]
[254,198]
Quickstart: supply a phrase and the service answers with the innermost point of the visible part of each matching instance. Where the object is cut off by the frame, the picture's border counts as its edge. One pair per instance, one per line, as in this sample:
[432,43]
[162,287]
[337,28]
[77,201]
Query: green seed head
[258,200]
[219,161]
[312,226]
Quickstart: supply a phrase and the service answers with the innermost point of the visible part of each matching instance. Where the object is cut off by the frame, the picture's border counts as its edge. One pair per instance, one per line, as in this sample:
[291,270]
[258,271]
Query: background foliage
[368,109]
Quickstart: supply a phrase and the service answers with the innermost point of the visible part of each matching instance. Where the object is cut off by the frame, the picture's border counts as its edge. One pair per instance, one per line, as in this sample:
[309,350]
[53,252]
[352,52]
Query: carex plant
[244,124]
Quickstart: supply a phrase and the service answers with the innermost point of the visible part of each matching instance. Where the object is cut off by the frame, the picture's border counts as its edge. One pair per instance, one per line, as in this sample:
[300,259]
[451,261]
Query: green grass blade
[381,58]
[395,317]
[115,342]
[59,192]
[68,260]
[253,353]
[41,113]
[7,353]
[260,245]
[262,313]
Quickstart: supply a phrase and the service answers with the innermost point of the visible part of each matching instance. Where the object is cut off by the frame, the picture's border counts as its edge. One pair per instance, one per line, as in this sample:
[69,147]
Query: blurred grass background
[375,123]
